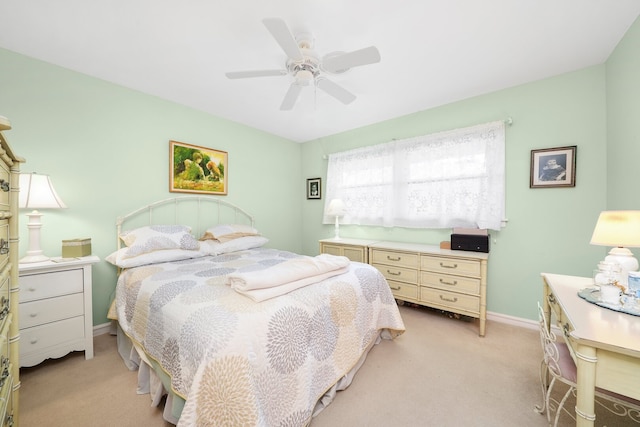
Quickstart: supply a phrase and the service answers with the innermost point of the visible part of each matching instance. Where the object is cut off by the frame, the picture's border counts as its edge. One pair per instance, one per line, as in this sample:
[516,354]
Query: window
[443,180]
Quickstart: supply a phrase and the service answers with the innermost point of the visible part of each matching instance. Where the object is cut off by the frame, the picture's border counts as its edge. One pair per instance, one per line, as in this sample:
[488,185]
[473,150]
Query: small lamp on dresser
[36,192]
[620,230]
[336,208]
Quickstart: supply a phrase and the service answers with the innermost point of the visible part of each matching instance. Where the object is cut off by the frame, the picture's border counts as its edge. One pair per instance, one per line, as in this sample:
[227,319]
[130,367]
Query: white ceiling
[433,51]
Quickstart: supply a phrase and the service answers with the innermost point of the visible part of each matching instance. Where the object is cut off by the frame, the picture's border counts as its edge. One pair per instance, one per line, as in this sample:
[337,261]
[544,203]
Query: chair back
[550,350]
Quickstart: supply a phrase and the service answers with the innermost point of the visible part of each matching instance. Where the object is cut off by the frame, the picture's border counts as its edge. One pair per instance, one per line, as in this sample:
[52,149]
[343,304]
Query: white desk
[605,343]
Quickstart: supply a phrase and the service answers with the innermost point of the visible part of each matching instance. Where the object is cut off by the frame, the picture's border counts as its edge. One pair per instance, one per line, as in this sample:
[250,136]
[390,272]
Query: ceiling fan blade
[256,73]
[280,31]
[291,97]
[335,90]
[342,62]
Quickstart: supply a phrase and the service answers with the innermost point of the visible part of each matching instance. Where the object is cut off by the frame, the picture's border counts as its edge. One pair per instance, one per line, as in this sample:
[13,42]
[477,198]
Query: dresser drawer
[403,291]
[451,301]
[392,272]
[4,341]
[468,285]
[445,265]
[40,337]
[39,286]
[51,309]
[4,242]
[4,297]
[5,176]
[6,388]
[398,259]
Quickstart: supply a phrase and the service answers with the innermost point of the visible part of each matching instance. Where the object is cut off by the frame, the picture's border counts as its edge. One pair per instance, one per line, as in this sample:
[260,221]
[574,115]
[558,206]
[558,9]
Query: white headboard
[199,212]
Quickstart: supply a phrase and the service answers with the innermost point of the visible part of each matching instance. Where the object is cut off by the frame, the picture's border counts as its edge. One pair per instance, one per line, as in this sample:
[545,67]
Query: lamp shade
[336,208]
[617,228]
[37,192]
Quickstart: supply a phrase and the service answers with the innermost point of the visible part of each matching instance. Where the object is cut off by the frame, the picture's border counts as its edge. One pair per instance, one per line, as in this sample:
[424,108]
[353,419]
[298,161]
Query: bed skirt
[154,381]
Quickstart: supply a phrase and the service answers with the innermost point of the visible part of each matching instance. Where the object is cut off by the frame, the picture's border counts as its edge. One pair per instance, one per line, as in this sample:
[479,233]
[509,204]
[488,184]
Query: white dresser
[453,281]
[55,309]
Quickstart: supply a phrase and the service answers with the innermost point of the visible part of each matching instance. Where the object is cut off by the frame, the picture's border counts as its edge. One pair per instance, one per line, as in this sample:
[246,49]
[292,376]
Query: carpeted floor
[439,373]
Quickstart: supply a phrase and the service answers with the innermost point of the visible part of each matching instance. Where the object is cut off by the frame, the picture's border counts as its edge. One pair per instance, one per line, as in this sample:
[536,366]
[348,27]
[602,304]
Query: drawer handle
[4,185]
[4,247]
[443,265]
[5,370]
[9,422]
[552,299]
[455,299]
[565,329]
[33,315]
[33,341]
[444,282]
[4,302]
[395,289]
[394,273]
[390,258]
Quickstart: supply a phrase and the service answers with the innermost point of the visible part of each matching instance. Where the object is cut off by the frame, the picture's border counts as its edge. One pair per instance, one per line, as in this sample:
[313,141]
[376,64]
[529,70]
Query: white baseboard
[511,320]
[104,328]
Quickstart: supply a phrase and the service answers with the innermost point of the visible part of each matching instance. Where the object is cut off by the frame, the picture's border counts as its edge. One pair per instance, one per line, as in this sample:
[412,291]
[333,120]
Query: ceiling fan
[306,67]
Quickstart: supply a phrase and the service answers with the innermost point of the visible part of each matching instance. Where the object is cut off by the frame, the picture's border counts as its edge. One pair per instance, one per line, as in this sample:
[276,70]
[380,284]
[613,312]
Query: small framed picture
[314,190]
[553,167]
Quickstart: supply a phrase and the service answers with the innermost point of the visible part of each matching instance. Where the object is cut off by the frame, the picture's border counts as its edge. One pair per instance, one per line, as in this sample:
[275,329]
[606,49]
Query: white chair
[558,365]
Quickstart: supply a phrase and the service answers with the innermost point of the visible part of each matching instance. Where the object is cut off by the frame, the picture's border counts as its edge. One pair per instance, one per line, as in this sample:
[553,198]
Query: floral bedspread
[238,362]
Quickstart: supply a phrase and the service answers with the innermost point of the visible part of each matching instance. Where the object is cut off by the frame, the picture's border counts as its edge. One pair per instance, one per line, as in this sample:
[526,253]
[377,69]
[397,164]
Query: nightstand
[354,249]
[55,311]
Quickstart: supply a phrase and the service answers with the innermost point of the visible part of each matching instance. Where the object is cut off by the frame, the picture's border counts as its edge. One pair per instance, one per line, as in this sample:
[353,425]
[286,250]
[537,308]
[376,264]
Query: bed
[234,332]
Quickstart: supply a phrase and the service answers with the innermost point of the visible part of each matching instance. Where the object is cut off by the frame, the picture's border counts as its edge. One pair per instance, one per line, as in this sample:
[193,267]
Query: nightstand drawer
[39,286]
[458,302]
[399,259]
[451,265]
[51,309]
[392,272]
[40,337]
[468,285]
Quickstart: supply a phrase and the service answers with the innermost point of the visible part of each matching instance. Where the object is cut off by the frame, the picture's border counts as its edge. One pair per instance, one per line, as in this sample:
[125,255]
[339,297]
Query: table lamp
[336,208]
[621,230]
[36,192]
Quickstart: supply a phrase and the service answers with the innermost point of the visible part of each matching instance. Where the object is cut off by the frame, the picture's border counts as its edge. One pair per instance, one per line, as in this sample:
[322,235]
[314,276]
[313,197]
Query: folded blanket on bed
[264,294]
[287,276]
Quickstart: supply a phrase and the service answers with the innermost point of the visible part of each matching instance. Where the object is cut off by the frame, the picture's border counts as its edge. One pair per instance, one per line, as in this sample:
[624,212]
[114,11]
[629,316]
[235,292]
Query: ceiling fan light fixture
[304,78]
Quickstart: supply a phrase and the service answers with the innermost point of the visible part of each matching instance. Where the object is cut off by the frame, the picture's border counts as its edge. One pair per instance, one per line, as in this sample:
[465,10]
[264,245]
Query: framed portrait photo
[314,189]
[195,169]
[553,167]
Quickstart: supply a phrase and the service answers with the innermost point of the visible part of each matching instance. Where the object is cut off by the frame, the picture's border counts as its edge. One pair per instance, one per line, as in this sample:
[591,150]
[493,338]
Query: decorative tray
[593,296]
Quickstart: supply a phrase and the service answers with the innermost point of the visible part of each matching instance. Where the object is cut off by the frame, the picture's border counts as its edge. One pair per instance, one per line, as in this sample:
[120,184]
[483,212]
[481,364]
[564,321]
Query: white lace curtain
[448,179]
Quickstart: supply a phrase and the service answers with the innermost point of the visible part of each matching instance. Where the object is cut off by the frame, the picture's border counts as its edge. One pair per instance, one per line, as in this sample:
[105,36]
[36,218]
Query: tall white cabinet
[9,288]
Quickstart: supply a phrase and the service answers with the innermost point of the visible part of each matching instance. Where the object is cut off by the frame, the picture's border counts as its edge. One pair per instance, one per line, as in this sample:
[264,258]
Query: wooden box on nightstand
[56,315]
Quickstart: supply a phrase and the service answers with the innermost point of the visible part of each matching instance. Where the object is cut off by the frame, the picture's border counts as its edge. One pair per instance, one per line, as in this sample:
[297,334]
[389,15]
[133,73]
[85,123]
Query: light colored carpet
[439,373]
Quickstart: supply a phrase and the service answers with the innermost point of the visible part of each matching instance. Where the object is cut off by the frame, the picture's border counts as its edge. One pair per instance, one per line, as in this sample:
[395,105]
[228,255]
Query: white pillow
[166,255]
[213,247]
[226,232]
[156,238]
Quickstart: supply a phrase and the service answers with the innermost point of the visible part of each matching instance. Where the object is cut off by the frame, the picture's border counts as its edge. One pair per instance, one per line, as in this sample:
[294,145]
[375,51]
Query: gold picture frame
[553,167]
[196,169]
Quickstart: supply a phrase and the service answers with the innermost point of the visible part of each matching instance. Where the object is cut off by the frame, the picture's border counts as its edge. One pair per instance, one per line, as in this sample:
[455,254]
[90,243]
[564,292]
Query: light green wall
[548,229]
[107,151]
[106,148]
[623,122]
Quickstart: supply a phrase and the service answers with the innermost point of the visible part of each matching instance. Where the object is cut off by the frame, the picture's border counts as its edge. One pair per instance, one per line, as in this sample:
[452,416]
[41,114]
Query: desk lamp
[620,229]
[336,208]
[36,192]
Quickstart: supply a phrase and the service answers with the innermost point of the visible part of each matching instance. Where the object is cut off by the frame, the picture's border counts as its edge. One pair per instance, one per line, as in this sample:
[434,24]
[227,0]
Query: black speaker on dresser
[470,242]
